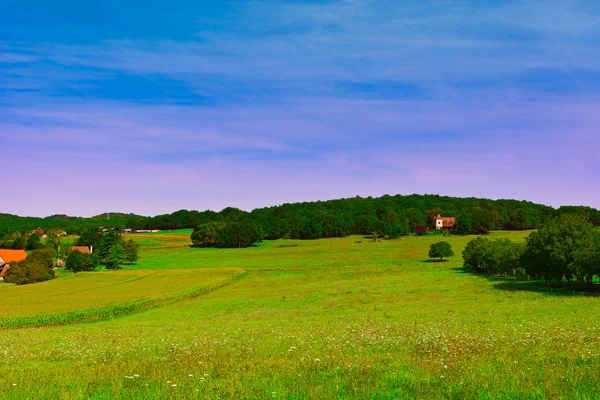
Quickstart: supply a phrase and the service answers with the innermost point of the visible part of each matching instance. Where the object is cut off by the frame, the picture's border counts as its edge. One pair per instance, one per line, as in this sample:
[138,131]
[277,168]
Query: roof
[8,256]
[12,255]
[81,249]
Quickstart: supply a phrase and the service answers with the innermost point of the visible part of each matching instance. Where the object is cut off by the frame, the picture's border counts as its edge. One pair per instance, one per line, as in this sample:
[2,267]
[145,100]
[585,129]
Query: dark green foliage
[502,257]
[440,250]
[464,224]
[77,261]
[37,267]
[398,229]
[205,235]
[564,248]
[337,218]
[243,233]
[311,230]
[19,243]
[33,242]
[90,237]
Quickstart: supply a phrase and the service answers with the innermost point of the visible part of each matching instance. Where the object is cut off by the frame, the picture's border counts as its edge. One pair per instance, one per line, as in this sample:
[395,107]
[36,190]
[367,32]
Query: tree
[311,230]
[464,224]
[90,237]
[37,267]
[421,230]
[33,242]
[441,250]
[19,243]
[476,254]
[559,249]
[115,255]
[398,229]
[205,235]
[130,251]
[77,261]
[53,241]
[243,233]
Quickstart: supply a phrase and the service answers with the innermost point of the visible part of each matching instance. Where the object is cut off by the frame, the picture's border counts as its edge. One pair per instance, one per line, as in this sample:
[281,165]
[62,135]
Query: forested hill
[331,218]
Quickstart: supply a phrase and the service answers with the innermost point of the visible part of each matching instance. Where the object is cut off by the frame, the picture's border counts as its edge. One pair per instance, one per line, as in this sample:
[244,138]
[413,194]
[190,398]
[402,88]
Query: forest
[387,215]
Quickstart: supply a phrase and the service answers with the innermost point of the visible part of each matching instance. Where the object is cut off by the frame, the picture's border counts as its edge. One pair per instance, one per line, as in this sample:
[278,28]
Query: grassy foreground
[315,319]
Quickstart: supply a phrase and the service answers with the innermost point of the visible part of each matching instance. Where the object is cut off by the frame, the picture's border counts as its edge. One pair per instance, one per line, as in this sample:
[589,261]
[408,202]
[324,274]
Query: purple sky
[249,104]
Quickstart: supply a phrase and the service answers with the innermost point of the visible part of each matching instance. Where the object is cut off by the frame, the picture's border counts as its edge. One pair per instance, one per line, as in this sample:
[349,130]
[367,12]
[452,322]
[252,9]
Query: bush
[440,250]
[37,267]
[421,230]
[77,261]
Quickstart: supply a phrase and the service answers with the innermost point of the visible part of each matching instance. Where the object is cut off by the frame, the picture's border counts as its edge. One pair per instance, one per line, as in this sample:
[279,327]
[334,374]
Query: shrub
[421,230]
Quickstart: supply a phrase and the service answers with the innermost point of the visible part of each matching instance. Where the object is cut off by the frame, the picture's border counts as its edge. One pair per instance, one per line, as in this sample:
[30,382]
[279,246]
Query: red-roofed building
[8,256]
[81,249]
[444,222]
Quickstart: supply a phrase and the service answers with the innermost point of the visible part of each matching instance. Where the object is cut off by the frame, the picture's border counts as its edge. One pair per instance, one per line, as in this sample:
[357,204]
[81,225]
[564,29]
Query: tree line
[391,216]
[566,248]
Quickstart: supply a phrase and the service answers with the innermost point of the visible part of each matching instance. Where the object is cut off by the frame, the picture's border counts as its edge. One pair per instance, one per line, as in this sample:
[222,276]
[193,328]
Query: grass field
[336,318]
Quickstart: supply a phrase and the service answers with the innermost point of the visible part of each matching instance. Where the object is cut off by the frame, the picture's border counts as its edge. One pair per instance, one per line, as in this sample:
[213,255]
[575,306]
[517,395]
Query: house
[40,232]
[8,256]
[444,222]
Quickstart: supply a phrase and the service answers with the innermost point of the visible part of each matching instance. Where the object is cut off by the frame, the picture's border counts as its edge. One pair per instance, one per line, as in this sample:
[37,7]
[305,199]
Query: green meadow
[289,319]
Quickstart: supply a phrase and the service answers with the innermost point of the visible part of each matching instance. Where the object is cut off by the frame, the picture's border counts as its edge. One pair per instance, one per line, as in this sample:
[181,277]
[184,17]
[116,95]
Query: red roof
[9,256]
[12,255]
[81,249]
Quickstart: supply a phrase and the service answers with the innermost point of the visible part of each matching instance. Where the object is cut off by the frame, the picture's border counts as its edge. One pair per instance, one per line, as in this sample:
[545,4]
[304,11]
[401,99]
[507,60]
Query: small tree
[77,261]
[33,242]
[115,255]
[441,250]
[130,251]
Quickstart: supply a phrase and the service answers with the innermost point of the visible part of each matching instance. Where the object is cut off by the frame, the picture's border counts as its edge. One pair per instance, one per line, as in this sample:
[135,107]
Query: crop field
[333,318]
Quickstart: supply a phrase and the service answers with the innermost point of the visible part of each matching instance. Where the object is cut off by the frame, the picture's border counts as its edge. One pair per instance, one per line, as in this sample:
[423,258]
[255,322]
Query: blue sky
[154,106]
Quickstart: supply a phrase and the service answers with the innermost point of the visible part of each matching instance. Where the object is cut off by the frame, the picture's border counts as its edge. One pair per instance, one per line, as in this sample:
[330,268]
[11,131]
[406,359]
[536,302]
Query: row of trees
[387,215]
[565,248]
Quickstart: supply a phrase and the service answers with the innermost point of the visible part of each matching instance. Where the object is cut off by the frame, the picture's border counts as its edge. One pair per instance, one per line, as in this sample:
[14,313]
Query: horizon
[148,109]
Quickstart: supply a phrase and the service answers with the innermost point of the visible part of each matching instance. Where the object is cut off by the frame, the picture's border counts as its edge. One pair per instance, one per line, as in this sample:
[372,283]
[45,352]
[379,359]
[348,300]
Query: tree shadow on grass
[434,261]
[509,284]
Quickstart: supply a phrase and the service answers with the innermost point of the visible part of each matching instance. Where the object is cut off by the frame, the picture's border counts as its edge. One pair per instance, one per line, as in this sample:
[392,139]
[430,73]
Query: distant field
[177,238]
[336,318]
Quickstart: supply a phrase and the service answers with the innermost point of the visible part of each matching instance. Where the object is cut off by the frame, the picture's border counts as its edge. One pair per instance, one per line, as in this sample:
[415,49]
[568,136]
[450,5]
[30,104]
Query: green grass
[324,319]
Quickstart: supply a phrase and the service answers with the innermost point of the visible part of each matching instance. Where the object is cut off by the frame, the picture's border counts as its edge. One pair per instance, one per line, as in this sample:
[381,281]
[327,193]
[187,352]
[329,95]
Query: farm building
[40,232]
[8,256]
[444,222]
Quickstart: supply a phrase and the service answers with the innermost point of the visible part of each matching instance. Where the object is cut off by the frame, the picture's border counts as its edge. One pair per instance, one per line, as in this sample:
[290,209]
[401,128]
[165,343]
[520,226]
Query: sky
[154,106]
